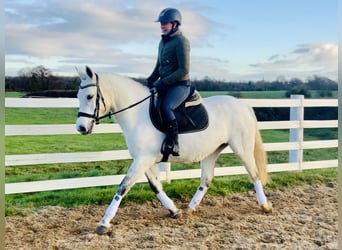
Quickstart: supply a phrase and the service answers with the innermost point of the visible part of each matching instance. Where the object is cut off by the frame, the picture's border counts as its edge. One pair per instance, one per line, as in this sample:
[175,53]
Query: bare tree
[38,77]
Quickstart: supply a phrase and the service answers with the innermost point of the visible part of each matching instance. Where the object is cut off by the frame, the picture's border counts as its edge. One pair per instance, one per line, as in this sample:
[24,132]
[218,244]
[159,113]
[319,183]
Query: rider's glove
[160,86]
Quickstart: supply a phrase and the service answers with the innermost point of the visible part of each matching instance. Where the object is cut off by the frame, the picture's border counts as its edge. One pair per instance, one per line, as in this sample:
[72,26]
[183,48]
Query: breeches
[174,97]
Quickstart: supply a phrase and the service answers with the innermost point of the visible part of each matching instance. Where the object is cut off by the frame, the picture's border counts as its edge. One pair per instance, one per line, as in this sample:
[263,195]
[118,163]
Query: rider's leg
[174,97]
[172,136]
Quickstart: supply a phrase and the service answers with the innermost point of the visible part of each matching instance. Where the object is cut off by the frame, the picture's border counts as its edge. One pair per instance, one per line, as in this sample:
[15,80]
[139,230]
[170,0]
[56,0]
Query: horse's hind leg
[157,187]
[253,156]
[207,175]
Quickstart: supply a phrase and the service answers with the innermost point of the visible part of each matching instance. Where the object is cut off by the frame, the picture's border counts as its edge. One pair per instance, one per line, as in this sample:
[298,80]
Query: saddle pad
[190,119]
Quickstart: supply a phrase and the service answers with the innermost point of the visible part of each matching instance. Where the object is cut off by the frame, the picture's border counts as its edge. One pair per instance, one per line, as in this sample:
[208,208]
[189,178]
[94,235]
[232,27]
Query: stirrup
[175,150]
[167,148]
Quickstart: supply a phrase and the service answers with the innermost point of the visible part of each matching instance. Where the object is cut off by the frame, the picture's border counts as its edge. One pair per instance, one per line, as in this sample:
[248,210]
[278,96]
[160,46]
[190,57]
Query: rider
[170,76]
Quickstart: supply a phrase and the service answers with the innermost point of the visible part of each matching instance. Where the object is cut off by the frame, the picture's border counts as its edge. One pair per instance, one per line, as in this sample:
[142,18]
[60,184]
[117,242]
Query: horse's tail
[260,158]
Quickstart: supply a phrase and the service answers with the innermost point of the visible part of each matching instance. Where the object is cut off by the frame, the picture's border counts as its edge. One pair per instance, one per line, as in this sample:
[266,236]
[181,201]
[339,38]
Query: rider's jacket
[173,61]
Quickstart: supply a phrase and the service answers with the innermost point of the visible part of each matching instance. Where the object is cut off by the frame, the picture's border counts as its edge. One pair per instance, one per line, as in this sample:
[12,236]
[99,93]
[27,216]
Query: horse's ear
[81,74]
[89,72]
[78,71]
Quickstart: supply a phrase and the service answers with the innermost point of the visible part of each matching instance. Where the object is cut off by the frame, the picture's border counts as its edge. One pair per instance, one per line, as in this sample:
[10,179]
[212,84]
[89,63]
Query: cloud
[206,66]
[274,57]
[59,26]
[101,32]
[319,54]
[81,28]
[121,36]
[306,59]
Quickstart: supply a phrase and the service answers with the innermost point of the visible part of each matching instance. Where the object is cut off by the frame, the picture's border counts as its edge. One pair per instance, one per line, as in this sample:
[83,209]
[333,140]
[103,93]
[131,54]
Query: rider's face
[165,28]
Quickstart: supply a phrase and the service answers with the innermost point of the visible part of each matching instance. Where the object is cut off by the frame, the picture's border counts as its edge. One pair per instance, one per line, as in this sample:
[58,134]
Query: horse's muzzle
[83,130]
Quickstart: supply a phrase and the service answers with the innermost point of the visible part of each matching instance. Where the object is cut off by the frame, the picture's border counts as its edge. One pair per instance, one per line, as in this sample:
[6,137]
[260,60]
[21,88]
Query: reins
[99,95]
[121,110]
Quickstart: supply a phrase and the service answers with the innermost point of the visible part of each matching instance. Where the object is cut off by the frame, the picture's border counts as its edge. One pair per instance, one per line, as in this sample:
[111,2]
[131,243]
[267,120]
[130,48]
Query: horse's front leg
[136,170]
[157,187]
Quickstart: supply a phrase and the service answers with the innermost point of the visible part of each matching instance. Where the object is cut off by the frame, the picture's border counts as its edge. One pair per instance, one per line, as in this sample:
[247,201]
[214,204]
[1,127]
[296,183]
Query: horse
[231,122]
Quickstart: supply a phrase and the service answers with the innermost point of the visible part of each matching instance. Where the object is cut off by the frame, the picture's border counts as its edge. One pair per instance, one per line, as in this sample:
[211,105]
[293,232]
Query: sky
[231,40]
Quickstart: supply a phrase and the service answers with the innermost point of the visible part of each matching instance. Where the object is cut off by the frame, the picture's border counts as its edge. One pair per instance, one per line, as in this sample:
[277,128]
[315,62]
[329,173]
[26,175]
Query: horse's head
[90,100]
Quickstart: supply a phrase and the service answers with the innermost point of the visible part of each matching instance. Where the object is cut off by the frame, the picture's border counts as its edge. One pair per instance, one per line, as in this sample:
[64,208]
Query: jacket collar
[171,35]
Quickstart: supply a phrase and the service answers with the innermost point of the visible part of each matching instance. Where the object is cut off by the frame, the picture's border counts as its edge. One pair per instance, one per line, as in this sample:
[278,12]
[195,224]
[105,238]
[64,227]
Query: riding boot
[170,144]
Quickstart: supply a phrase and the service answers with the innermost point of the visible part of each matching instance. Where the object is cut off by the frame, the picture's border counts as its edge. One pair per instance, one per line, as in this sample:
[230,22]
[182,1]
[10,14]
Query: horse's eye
[90,97]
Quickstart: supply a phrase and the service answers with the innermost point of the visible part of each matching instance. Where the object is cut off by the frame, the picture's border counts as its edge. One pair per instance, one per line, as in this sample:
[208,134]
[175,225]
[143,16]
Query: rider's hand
[153,90]
[160,87]
[149,84]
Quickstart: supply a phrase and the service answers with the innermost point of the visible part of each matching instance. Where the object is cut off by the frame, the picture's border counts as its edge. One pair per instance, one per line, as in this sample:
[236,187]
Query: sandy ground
[304,218]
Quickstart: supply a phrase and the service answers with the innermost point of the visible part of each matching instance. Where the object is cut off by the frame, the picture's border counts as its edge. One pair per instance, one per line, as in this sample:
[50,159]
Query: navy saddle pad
[191,115]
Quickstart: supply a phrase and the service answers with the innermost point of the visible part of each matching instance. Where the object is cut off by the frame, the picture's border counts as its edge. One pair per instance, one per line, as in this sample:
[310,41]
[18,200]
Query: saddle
[191,115]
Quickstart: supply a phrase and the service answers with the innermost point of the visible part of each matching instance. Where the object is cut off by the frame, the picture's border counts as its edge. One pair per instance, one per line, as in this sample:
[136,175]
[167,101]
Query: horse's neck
[123,92]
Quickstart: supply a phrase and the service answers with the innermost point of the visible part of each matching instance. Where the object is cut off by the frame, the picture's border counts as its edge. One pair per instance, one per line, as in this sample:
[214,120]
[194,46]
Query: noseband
[99,96]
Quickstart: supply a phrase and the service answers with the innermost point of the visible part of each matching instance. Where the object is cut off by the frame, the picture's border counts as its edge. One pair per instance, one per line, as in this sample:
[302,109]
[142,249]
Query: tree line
[40,78]
[39,81]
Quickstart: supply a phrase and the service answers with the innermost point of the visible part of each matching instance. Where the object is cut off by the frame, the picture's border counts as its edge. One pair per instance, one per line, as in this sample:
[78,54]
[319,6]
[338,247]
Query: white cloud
[304,61]
[92,31]
[121,36]
[61,23]
[323,54]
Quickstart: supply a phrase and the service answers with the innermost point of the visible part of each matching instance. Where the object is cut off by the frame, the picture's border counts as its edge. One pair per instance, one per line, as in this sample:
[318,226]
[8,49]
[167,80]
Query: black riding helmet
[170,15]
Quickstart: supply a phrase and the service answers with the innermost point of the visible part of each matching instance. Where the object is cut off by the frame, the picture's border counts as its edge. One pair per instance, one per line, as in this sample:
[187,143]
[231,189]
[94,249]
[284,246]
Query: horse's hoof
[189,211]
[267,207]
[175,215]
[101,229]
[103,226]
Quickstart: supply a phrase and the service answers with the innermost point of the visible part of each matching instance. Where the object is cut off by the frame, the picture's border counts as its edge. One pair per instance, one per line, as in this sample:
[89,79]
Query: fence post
[165,167]
[296,134]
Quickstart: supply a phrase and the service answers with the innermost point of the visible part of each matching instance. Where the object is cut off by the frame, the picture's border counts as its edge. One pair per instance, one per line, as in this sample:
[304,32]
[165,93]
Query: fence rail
[296,145]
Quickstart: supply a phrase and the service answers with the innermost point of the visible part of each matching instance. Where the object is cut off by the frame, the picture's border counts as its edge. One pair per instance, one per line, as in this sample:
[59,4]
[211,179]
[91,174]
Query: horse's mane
[120,79]
[123,86]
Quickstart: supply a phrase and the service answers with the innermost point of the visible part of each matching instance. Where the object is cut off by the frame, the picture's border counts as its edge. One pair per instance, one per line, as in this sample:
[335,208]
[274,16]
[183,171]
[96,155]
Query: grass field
[22,203]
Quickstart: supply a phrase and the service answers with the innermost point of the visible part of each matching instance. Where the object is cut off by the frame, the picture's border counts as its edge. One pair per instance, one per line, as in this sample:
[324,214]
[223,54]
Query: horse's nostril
[82,129]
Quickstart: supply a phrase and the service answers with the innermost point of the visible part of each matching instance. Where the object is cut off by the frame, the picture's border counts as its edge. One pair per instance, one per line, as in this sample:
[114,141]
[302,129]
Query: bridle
[99,96]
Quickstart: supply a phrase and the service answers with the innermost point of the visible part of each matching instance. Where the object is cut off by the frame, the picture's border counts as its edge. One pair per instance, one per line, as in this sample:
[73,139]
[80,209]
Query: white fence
[295,146]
